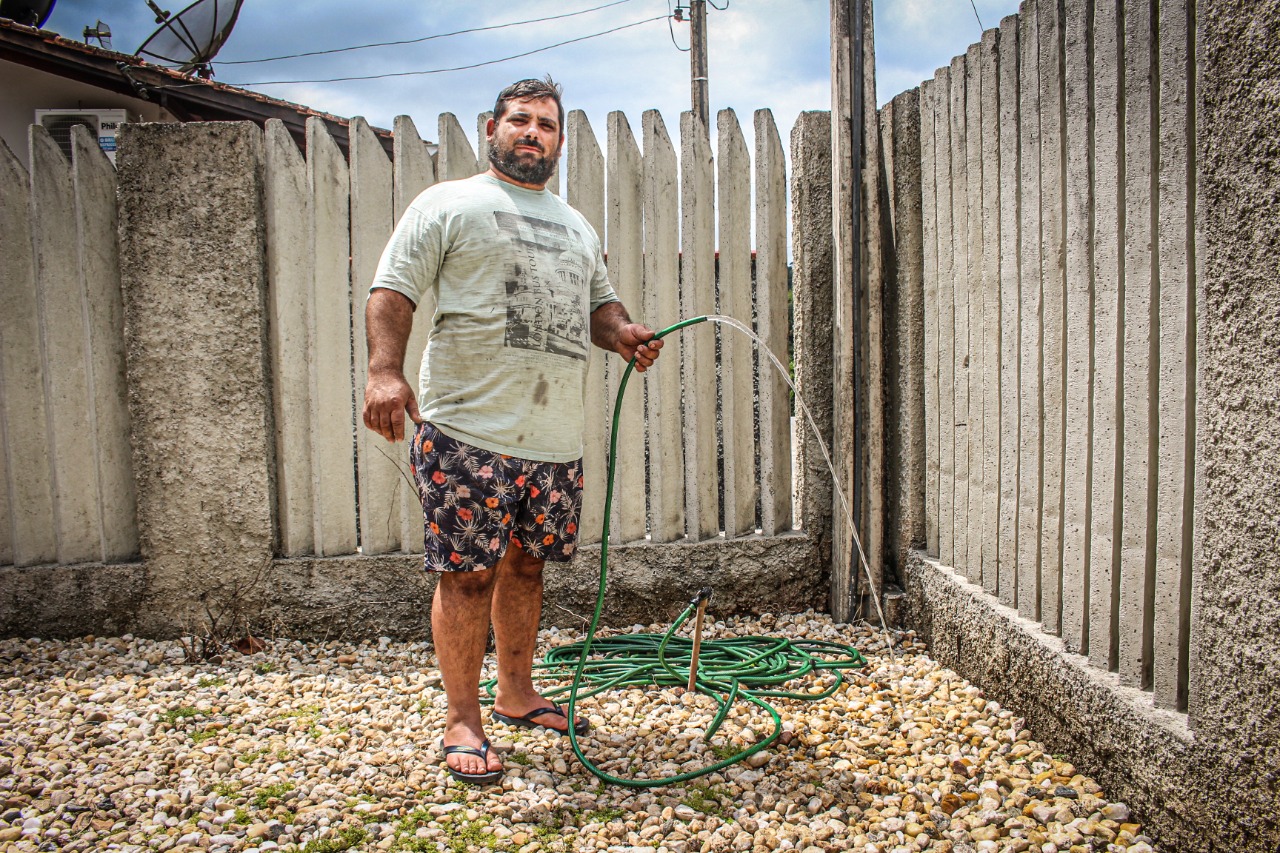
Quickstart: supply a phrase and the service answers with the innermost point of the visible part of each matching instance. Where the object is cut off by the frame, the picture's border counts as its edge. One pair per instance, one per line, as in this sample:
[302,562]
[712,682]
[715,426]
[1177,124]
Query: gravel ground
[116,743]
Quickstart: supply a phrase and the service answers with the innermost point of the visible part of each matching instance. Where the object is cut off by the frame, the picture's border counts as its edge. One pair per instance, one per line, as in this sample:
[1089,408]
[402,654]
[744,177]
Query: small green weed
[602,815]
[705,799]
[271,792]
[264,667]
[226,789]
[462,835]
[180,713]
[723,751]
[346,838]
[211,681]
[241,816]
[253,755]
[519,758]
[200,737]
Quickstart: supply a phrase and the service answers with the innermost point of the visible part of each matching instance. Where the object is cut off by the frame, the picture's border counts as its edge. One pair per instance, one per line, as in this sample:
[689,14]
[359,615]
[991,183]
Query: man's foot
[477,763]
[537,712]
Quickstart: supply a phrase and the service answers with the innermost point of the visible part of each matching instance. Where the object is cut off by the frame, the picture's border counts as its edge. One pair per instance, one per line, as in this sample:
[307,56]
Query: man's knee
[518,562]
[477,584]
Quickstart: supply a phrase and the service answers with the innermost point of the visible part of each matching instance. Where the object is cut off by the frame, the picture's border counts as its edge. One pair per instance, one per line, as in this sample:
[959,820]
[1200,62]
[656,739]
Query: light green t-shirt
[516,274]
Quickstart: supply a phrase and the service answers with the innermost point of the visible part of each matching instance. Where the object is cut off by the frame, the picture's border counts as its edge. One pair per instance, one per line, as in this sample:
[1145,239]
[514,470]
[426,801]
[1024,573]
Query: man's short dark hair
[529,90]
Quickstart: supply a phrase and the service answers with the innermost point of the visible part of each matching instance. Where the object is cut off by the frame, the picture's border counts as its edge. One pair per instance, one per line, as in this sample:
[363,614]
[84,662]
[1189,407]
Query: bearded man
[519,282]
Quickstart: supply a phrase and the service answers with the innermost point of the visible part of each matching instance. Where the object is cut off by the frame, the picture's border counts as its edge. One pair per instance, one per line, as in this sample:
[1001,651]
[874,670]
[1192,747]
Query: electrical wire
[672,30]
[424,38]
[975,14]
[456,68]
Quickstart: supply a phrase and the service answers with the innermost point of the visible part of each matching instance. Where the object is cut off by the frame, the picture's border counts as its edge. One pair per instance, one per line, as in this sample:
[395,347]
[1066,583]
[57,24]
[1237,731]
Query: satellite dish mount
[190,39]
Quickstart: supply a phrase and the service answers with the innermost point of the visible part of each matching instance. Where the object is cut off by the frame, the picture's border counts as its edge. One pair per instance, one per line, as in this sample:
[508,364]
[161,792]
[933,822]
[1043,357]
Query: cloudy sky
[762,53]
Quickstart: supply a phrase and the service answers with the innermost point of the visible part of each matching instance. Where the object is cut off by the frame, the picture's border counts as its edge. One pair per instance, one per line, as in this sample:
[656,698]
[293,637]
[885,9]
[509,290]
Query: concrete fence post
[193,270]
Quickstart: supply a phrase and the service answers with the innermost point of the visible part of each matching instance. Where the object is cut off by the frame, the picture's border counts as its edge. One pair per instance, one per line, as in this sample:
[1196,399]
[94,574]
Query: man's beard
[527,171]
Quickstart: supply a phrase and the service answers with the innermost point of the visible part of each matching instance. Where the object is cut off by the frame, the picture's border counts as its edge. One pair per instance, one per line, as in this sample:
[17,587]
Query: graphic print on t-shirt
[545,286]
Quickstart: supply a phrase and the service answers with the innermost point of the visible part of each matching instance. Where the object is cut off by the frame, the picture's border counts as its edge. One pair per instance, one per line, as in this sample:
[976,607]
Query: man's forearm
[388,321]
[606,323]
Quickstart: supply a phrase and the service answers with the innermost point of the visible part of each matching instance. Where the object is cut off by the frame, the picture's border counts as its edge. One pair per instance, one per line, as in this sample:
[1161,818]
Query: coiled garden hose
[749,668]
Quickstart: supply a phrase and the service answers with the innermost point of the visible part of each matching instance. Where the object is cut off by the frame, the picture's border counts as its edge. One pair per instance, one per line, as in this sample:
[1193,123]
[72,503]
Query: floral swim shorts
[475,501]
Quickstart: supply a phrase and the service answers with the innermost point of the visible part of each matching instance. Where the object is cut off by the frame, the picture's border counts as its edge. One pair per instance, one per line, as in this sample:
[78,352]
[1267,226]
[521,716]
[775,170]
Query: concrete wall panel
[28,489]
[990,234]
[977,312]
[64,350]
[946,320]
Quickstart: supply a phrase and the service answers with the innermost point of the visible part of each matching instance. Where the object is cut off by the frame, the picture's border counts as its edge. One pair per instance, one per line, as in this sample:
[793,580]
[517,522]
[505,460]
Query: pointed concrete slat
[28,491]
[929,231]
[977,312]
[698,298]
[65,351]
[1137,556]
[990,83]
[585,167]
[290,271]
[1105,519]
[1079,329]
[333,417]
[624,242]
[1053,289]
[1030,460]
[1010,311]
[946,323]
[773,325]
[661,196]
[961,275]
[455,158]
[381,477]
[1177,309]
[737,350]
[412,172]
[94,183]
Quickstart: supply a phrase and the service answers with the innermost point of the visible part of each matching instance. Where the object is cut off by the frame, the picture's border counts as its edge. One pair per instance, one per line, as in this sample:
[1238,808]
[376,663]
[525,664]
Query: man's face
[525,143]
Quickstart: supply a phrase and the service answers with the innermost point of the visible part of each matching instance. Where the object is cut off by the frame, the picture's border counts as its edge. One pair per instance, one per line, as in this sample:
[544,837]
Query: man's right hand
[387,396]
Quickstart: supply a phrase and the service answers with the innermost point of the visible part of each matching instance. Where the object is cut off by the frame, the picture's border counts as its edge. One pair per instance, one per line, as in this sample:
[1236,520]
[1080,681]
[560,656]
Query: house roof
[187,97]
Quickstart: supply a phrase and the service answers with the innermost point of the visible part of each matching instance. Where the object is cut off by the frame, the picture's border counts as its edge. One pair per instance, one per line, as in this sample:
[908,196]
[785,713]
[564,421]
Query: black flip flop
[488,778]
[580,726]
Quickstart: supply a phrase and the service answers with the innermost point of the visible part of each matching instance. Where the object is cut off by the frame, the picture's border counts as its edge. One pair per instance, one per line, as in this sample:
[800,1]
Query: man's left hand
[636,340]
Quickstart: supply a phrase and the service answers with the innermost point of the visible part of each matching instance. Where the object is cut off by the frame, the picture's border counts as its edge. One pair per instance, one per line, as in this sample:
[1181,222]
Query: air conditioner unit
[103,124]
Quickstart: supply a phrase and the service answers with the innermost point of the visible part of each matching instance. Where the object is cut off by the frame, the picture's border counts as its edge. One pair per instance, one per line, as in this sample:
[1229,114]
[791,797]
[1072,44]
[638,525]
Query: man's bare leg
[517,608]
[460,629]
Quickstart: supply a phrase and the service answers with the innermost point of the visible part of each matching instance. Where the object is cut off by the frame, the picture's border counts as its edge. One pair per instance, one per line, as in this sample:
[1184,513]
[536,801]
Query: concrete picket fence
[660,236]
[1058,267]
[253,472]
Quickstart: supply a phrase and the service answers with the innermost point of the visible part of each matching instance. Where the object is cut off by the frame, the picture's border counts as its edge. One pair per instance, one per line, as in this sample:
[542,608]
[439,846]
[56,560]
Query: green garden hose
[749,668]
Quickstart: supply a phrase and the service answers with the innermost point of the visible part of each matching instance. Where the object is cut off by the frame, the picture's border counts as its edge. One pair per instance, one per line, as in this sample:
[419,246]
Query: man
[519,278]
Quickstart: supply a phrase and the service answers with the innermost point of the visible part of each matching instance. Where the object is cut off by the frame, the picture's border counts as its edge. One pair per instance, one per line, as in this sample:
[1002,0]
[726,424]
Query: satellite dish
[191,38]
[31,13]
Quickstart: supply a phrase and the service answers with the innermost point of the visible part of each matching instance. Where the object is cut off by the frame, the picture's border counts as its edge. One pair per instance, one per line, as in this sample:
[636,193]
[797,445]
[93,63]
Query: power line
[975,14]
[424,38]
[456,68]
[672,30]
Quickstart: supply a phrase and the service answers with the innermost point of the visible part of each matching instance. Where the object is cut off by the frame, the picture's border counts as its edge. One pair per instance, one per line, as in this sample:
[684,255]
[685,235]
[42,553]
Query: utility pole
[698,61]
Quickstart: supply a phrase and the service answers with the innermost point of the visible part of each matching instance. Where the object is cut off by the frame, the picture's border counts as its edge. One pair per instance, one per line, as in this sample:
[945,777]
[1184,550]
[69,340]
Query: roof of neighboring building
[189,98]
